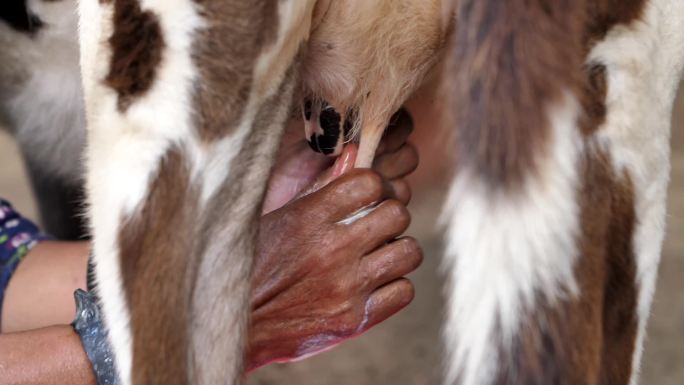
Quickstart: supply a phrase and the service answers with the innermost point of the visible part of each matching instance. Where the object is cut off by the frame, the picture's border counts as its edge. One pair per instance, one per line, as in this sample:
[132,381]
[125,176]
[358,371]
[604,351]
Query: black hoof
[325,130]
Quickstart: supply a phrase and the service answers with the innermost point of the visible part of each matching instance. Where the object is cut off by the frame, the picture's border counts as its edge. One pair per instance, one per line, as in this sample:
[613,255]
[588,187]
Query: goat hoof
[324,128]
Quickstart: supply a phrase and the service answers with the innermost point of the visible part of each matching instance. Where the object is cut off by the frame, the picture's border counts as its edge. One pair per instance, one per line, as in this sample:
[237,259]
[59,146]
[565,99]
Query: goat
[560,112]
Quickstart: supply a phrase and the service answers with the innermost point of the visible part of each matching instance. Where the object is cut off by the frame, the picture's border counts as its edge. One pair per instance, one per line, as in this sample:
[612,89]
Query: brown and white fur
[185,105]
[555,215]
[556,212]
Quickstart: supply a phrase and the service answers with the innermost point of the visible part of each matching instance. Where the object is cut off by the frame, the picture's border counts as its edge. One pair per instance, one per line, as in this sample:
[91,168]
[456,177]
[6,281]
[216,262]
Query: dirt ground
[406,349]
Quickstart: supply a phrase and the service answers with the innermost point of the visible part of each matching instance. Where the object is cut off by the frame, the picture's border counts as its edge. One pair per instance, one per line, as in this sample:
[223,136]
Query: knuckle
[342,185]
[409,245]
[364,277]
[372,184]
[360,183]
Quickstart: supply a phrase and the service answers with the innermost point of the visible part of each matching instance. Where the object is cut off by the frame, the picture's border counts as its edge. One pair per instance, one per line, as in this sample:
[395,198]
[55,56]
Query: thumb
[343,164]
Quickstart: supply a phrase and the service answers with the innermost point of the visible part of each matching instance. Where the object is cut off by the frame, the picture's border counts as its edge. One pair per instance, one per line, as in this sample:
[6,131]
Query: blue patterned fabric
[17,236]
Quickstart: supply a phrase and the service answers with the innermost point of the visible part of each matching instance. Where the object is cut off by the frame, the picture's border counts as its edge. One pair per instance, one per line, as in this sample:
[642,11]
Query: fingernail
[345,161]
[340,164]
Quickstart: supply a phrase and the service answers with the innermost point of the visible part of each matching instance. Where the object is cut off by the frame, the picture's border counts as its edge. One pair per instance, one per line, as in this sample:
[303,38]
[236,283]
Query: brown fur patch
[511,61]
[605,14]
[225,54]
[593,99]
[620,322]
[137,46]
[608,264]
[155,248]
[547,351]
[589,340]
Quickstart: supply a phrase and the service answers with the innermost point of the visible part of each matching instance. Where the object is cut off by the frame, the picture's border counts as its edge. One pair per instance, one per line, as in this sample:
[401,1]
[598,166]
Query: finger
[402,190]
[397,164]
[392,261]
[343,164]
[398,131]
[387,301]
[348,194]
[378,226]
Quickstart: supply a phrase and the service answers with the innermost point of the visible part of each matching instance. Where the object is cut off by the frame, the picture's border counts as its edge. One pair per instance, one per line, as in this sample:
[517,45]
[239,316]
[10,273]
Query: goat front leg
[185,104]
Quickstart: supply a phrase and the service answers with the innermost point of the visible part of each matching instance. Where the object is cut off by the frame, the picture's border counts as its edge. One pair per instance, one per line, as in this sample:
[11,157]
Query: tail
[533,201]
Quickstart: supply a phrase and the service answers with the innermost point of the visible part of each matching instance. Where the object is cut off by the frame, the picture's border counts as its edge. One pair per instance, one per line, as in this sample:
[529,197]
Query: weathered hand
[318,281]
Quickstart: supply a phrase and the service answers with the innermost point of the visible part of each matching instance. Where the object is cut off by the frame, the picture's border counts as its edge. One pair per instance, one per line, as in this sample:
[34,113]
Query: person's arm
[40,294]
[41,291]
[29,358]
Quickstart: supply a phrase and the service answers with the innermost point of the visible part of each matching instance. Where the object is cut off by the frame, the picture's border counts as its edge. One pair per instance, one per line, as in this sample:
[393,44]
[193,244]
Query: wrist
[262,348]
[257,352]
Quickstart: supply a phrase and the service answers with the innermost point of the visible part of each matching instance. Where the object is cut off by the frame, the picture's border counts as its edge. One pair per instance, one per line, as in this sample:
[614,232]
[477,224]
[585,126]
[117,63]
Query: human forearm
[52,355]
[40,292]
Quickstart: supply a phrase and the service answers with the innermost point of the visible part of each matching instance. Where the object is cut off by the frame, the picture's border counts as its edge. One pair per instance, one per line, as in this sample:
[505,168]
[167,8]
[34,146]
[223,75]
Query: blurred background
[406,350]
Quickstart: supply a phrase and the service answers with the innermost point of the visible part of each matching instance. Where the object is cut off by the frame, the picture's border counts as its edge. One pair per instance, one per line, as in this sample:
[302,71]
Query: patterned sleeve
[17,236]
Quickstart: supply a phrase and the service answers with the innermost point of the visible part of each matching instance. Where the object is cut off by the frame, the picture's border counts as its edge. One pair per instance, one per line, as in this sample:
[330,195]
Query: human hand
[317,281]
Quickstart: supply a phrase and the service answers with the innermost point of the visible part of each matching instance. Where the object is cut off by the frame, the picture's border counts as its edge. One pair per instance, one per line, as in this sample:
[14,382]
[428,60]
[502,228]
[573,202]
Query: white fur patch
[644,63]
[505,249]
